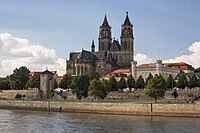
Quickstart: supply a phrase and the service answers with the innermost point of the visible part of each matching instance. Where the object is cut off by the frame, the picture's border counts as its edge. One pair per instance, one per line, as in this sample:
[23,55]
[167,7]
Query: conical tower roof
[105,21]
[127,22]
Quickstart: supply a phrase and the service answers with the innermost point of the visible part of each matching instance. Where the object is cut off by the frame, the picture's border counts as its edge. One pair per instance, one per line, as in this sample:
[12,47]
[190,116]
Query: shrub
[18,96]
[190,94]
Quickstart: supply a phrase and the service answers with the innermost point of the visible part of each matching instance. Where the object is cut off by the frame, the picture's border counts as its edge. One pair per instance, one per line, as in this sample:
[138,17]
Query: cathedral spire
[93,46]
[127,22]
[105,22]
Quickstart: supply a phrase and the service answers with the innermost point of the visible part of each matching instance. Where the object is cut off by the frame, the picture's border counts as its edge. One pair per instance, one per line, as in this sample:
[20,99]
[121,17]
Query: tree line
[90,84]
[20,79]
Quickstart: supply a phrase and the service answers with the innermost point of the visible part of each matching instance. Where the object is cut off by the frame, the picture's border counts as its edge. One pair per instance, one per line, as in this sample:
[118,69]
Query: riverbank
[122,108]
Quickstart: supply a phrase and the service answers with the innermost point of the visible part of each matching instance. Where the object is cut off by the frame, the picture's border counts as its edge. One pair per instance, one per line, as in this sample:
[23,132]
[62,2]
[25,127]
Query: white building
[155,68]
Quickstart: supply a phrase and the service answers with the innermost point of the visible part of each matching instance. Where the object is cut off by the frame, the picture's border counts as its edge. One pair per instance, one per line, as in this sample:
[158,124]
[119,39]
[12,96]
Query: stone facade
[46,83]
[111,54]
[156,68]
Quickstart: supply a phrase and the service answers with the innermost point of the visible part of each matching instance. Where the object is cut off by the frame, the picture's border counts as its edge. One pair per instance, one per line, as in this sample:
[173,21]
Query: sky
[40,34]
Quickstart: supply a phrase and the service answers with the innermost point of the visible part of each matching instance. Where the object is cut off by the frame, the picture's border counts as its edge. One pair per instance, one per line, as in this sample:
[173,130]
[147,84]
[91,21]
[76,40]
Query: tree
[148,78]
[130,83]
[80,86]
[93,75]
[97,89]
[175,94]
[140,82]
[4,84]
[155,88]
[170,82]
[193,82]
[66,81]
[121,84]
[113,83]
[182,81]
[19,78]
[33,82]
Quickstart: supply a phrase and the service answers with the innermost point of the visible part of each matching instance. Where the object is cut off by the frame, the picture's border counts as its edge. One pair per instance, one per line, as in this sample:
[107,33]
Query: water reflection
[12,121]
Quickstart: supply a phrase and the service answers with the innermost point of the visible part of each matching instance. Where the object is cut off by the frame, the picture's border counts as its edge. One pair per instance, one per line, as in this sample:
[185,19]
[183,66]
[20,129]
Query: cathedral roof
[87,55]
[115,46]
[127,22]
[105,22]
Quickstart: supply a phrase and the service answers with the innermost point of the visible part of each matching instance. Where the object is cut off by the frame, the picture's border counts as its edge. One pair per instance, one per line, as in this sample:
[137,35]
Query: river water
[19,121]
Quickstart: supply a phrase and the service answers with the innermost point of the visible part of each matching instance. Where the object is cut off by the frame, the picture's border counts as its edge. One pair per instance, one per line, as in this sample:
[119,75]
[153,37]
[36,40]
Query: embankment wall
[190,110]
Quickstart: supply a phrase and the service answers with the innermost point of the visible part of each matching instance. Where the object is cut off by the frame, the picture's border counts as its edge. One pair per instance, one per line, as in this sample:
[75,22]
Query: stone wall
[30,94]
[191,110]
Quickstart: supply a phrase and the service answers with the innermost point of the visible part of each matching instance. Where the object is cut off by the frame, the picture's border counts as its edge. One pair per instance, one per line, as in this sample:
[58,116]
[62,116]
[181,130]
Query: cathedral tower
[105,37]
[127,38]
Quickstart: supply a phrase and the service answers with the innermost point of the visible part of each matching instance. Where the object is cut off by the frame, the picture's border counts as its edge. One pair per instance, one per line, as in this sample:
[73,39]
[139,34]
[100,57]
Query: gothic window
[106,32]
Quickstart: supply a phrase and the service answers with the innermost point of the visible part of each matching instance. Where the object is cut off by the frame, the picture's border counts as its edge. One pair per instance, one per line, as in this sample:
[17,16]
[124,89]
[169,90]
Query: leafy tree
[170,82]
[19,78]
[182,82]
[148,78]
[97,89]
[4,84]
[140,82]
[113,83]
[66,81]
[175,94]
[33,82]
[130,83]
[93,75]
[121,84]
[106,84]
[80,86]
[193,81]
[155,88]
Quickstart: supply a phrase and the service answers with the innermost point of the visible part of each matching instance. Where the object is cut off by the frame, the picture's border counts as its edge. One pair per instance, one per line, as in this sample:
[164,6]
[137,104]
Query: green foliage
[121,84]
[193,81]
[51,92]
[156,87]
[33,82]
[18,96]
[80,86]
[93,75]
[113,83]
[148,78]
[170,82]
[19,78]
[66,81]
[106,84]
[140,82]
[182,82]
[130,83]
[4,84]
[190,94]
[98,89]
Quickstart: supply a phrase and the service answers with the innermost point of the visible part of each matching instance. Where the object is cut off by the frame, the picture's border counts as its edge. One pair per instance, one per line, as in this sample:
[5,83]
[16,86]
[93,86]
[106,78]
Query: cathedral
[111,53]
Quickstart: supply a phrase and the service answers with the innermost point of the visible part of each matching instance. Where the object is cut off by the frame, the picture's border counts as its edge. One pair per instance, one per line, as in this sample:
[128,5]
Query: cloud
[16,52]
[192,58]
[142,59]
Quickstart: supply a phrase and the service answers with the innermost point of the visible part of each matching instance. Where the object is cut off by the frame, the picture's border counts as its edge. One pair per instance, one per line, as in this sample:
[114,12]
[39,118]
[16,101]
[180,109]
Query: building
[111,53]
[182,66]
[46,83]
[154,68]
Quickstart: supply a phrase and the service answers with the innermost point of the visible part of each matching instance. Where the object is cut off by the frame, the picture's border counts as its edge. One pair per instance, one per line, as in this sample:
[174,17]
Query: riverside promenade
[122,108]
